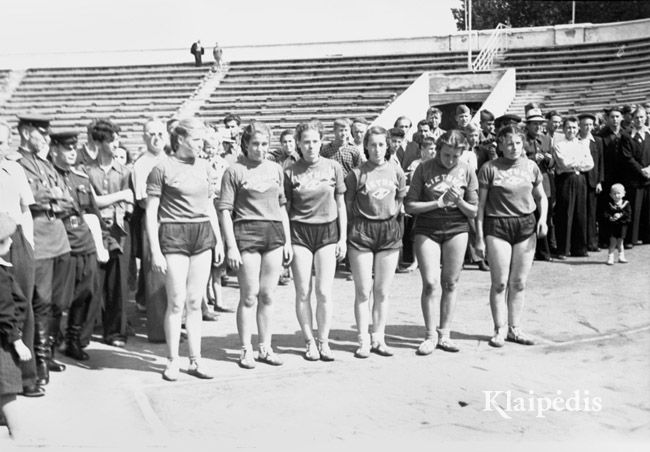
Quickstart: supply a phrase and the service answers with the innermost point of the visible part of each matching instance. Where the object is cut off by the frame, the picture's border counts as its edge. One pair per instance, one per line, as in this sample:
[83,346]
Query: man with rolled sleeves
[110,181]
[53,267]
[155,137]
[84,235]
[15,201]
[539,148]
[595,176]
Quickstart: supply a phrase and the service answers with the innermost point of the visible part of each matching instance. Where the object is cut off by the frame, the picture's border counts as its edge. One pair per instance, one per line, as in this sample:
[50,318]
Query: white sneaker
[610,259]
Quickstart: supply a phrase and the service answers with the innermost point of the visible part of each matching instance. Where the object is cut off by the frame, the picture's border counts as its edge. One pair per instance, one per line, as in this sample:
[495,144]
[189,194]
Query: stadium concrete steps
[524,97]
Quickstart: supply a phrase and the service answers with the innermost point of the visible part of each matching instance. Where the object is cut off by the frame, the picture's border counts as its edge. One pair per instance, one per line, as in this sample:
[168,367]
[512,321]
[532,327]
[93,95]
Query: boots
[73,347]
[52,365]
[41,352]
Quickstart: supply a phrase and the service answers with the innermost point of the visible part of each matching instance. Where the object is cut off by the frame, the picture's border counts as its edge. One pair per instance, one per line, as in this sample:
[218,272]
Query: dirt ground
[593,322]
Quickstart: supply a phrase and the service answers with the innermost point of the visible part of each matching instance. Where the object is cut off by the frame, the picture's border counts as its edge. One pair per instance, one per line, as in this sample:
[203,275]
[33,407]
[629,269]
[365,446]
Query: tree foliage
[487,14]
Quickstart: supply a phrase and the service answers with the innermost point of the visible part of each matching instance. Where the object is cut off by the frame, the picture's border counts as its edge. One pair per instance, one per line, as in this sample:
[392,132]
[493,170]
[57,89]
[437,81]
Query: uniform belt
[49,214]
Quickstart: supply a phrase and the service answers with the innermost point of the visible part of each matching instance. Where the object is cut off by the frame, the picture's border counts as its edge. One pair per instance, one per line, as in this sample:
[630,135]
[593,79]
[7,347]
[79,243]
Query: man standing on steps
[197,50]
[53,267]
[217,53]
[151,285]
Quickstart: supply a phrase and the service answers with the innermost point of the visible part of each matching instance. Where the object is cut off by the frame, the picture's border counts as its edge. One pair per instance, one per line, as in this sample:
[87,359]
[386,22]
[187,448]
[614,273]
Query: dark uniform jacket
[597,174]
[635,154]
[13,308]
[611,156]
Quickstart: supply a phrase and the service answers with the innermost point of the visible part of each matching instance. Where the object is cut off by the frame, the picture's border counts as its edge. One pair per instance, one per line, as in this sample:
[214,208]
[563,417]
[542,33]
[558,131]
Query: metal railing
[496,44]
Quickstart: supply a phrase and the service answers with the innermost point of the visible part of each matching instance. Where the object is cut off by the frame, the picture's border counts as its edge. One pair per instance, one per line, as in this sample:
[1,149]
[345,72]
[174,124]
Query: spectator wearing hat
[538,148]
[53,282]
[595,176]
[84,236]
[613,171]
[15,201]
[110,183]
[13,351]
[572,161]
[506,120]
[635,152]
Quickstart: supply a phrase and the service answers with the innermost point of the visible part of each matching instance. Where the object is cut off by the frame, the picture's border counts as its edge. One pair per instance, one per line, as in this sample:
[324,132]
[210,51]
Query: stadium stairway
[284,93]
[582,78]
[73,97]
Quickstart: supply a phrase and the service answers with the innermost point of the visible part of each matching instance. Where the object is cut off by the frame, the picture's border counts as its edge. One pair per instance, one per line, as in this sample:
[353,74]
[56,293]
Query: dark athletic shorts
[376,235]
[440,229]
[314,236]
[259,236]
[511,229]
[188,239]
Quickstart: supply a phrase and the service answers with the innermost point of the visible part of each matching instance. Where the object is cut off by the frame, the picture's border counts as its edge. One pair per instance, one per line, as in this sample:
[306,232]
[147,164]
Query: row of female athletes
[309,216]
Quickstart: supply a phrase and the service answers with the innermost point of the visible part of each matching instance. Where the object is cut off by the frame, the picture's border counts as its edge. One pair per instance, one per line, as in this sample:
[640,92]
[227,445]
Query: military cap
[506,118]
[587,115]
[612,108]
[7,226]
[64,138]
[42,123]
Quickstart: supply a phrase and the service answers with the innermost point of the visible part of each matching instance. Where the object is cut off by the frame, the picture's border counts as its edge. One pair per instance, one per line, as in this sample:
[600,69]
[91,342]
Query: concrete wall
[413,103]
[501,96]
[517,38]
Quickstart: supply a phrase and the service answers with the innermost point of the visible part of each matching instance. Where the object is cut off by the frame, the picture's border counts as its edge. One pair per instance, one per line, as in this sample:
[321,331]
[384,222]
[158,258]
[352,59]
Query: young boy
[618,213]
[12,349]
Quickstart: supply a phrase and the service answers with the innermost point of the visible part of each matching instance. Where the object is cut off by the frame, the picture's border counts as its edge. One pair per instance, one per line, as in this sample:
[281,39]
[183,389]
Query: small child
[617,216]
[12,349]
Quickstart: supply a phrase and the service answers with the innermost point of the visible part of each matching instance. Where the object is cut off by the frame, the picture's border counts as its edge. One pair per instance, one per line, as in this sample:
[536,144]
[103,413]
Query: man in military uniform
[110,181]
[53,267]
[84,235]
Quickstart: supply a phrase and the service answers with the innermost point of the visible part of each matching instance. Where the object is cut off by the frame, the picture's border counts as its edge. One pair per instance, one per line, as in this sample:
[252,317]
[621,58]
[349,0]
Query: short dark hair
[250,130]
[231,117]
[569,119]
[104,130]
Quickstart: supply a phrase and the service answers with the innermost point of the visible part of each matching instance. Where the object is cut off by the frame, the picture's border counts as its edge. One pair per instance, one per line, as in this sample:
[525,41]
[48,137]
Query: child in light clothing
[618,214]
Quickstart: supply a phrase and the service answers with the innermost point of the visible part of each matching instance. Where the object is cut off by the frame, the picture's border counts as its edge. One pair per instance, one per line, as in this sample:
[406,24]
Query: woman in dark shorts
[256,231]
[314,188]
[510,189]
[183,231]
[374,194]
[443,195]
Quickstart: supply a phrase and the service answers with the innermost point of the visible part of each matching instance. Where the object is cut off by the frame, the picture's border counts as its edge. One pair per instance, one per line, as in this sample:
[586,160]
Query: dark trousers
[592,218]
[471,256]
[641,215]
[407,240]
[53,291]
[21,257]
[630,195]
[543,248]
[571,214]
[603,226]
[85,288]
[155,295]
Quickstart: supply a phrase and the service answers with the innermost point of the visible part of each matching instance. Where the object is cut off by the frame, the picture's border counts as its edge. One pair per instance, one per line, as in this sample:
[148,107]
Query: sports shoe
[426,347]
[444,343]
[516,335]
[621,258]
[246,359]
[610,259]
[196,371]
[381,349]
[268,356]
[325,351]
[171,371]
[311,351]
[499,338]
[363,351]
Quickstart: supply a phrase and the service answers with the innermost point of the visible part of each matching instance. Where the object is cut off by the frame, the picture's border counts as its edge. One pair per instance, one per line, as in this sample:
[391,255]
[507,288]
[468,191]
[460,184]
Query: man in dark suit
[538,148]
[613,173]
[635,153]
[595,176]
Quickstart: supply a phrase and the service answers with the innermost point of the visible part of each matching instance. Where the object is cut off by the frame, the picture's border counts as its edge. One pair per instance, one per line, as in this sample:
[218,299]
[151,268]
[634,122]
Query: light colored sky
[82,25]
